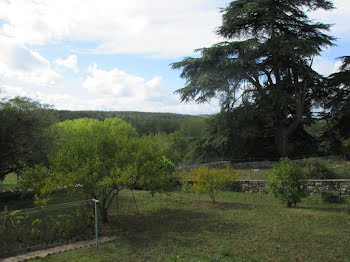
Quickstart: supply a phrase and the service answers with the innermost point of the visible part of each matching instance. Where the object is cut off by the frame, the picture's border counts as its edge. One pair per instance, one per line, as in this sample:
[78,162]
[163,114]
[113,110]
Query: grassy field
[240,227]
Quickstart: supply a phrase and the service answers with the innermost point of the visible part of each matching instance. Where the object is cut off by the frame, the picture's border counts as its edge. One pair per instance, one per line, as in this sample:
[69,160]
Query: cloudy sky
[114,54]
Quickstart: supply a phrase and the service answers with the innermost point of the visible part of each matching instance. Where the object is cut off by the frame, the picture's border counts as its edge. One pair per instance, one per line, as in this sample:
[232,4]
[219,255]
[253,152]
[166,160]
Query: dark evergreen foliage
[270,66]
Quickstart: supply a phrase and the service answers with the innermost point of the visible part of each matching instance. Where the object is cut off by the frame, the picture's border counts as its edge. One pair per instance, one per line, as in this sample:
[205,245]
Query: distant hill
[144,122]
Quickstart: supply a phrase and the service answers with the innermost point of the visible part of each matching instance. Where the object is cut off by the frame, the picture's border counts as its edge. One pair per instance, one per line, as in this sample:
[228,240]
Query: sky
[116,55]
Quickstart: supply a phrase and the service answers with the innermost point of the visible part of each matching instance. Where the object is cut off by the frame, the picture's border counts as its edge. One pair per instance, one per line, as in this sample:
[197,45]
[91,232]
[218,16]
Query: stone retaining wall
[313,186]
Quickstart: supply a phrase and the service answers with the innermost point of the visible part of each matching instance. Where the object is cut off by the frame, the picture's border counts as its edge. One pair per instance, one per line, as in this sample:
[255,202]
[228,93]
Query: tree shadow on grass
[208,204]
[336,209]
[234,206]
[180,227]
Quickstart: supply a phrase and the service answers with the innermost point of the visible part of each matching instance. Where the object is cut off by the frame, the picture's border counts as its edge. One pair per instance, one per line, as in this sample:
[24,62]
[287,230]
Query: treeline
[144,122]
[28,139]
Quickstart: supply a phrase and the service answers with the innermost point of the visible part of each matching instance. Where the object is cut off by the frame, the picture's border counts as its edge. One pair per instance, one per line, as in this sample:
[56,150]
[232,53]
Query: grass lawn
[9,181]
[240,227]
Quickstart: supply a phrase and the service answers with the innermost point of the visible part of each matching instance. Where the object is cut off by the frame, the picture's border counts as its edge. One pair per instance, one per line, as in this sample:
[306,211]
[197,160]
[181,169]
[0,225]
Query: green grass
[9,181]
[240,227]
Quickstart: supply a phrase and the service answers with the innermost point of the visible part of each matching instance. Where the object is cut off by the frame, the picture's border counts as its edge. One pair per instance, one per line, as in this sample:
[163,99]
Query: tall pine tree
[266,61]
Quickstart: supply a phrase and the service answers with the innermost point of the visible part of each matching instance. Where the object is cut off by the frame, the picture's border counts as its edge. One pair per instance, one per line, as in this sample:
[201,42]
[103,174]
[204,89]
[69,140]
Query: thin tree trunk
[103,212]
[117,202]
[133,196]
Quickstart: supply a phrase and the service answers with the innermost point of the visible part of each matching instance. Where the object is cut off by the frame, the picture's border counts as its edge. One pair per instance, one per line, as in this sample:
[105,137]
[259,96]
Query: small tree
[203,180]
[98,159]
[287,182]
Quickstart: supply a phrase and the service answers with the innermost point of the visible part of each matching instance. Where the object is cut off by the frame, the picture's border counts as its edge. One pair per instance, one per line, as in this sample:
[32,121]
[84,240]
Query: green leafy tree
[270,66]
[145,165]
[204,180]
[287,182]
[171,145]
[25,137]
[98,159]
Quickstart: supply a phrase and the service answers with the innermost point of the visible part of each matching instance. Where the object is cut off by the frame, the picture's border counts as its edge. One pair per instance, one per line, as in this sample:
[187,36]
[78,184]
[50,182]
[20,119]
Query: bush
[332,197]
[203,180]
[318,169]
[286,182]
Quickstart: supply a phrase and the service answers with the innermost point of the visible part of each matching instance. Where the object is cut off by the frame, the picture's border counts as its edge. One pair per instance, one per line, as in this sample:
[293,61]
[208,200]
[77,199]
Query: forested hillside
[144,122]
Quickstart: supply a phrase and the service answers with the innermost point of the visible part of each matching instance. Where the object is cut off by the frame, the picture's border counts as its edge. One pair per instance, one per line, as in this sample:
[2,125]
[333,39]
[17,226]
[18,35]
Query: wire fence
[36,228]
[31,229]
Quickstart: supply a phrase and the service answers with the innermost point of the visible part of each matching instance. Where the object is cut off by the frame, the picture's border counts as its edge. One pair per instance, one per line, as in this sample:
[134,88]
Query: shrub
[286,181]
[318,169]
[203,180]
[332,197]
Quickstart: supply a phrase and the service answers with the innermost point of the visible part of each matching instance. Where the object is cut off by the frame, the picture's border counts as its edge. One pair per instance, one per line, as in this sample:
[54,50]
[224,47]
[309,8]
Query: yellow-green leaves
[98,159]
[204,180]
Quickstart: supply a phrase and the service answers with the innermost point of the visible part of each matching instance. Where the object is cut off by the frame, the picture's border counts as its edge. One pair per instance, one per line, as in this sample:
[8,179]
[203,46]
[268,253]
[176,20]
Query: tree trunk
[104,213]
[281,140]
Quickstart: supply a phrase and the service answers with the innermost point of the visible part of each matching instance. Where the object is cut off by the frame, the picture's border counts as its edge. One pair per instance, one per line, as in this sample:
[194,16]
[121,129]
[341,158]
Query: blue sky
[115,55]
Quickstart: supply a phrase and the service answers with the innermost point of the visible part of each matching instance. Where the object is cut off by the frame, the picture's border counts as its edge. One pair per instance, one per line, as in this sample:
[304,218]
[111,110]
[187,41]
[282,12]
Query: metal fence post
[96,221]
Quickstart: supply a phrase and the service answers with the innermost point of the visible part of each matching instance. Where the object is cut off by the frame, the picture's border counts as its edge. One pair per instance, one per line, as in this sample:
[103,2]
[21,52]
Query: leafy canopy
[25,138]
[98,159]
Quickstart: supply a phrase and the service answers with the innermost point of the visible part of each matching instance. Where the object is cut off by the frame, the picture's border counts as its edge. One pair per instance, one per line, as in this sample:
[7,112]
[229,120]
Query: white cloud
[118,90]
[19,64]
[339,18]
[66,101]
[325,67]
[123,86]
[70,62]
[12,91]
[155,27]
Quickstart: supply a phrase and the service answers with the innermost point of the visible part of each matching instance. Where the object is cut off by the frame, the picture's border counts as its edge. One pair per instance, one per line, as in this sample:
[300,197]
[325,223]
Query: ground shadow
[168,225]
[234,206]
[335,209]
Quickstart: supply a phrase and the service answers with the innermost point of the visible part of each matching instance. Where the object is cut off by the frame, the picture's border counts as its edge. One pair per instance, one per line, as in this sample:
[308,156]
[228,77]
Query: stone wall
[313,186]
